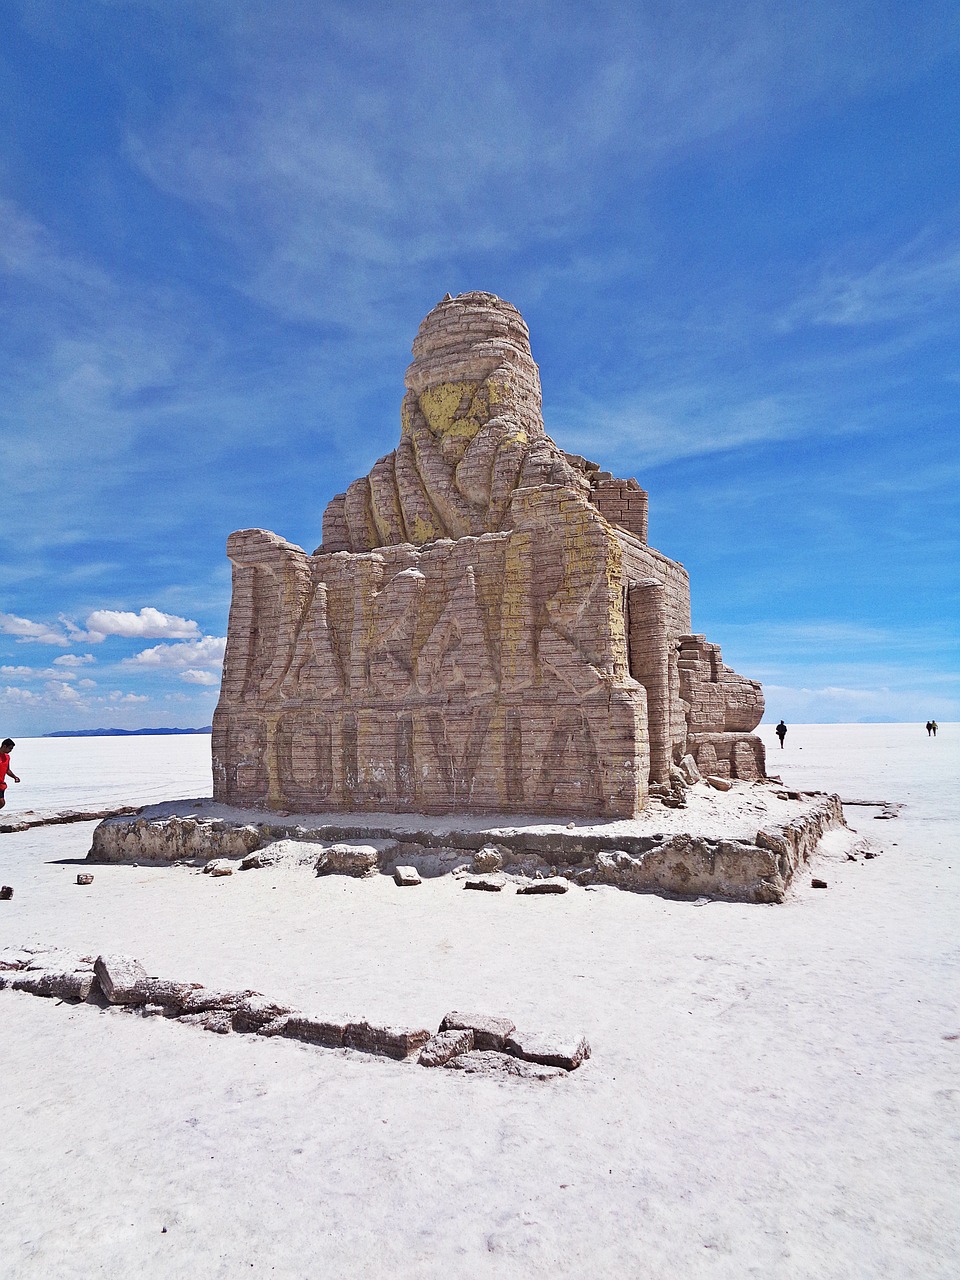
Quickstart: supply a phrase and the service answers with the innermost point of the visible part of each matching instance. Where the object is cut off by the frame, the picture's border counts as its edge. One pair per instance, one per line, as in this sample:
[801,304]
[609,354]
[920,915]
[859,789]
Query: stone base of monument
[744,845]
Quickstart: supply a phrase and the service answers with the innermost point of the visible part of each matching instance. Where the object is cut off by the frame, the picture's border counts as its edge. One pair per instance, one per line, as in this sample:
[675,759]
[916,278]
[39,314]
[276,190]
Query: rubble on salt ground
[473,1043]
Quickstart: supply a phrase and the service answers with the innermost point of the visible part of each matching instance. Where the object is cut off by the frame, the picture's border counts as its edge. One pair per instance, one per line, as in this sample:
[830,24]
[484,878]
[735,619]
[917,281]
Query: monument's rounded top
[467,338]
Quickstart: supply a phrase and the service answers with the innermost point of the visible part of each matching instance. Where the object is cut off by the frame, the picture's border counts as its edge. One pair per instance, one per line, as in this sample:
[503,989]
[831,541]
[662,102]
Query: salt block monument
[484,627]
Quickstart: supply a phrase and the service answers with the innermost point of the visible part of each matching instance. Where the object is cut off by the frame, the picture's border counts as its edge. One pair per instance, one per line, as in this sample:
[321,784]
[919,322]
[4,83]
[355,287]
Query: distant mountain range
[121,733]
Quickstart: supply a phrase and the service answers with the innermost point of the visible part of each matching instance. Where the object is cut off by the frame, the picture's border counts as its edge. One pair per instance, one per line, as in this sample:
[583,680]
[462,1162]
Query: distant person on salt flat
[929,728]
[5,748]
[933,726]
[781,732]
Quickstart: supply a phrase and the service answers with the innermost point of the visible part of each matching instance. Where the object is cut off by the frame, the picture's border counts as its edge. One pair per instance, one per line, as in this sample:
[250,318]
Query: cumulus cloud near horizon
[73,659]
[206,652]
[148,624]
[194,676]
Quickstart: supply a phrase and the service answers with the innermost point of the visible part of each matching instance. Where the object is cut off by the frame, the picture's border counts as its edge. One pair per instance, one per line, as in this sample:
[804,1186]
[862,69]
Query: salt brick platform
[732,863]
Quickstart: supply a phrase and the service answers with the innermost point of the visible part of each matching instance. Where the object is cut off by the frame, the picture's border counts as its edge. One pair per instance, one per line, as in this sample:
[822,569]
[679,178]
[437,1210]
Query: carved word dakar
[483,629]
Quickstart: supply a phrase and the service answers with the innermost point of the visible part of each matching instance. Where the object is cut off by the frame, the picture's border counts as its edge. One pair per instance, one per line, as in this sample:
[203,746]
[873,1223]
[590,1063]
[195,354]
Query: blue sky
[732,228]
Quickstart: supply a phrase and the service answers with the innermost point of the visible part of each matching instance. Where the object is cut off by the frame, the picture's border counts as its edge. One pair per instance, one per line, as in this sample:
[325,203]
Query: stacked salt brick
[724,706]
[482,630]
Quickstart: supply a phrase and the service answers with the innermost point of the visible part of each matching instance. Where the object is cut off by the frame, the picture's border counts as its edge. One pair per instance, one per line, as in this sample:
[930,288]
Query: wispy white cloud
[908,284]
[37,673]
[842,705]
[27,632]
[840,637]
[342,165]
[675,423]
[28,250]
[73,660]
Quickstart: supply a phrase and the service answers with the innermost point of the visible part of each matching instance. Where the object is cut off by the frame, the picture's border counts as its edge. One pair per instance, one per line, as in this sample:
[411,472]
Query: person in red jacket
[6,746]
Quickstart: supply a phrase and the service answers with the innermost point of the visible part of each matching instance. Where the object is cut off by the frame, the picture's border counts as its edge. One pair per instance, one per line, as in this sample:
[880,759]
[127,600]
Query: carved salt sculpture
[483,629]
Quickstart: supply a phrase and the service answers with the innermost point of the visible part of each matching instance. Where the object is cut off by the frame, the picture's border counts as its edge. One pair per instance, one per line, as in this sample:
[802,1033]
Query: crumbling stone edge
[468,1042]
[677,864]
[65,816]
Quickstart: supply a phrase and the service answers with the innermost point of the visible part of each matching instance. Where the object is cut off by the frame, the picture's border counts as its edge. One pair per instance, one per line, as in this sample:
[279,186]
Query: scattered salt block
[202,999]
[489,858]
[275,1027]
[688,767]
[84,878]
[406,876]
[347,860]
[218,867]
[119,977]
[256,1011]
[172,995]
[548,1050]
[217,1020]
[63,986]
[553,885]
[818,884]
[488,1032]
[486,1062]
[294,852]
[484,883]
[721,784]
[6,892]
[328,1032]
[445,1045]
[389,1042]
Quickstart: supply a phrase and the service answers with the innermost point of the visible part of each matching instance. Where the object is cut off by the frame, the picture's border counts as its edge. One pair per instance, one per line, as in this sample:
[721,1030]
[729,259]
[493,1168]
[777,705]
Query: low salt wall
[756,869]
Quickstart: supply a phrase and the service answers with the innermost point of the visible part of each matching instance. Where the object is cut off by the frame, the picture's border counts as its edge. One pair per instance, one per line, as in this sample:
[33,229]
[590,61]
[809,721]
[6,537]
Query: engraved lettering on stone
[315,669]
[394,620]
[571,750]
[457,655]
[457,770]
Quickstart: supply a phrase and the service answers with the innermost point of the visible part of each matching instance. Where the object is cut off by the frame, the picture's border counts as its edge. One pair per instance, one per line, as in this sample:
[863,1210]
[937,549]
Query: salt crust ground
[771,1091]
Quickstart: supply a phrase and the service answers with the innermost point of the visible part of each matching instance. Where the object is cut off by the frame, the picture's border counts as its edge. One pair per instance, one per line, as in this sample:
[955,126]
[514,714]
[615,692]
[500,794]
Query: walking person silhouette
[781,732]
[5,771]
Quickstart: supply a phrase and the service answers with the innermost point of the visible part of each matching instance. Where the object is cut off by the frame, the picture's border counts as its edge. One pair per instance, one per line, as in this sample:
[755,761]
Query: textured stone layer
[758,869]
